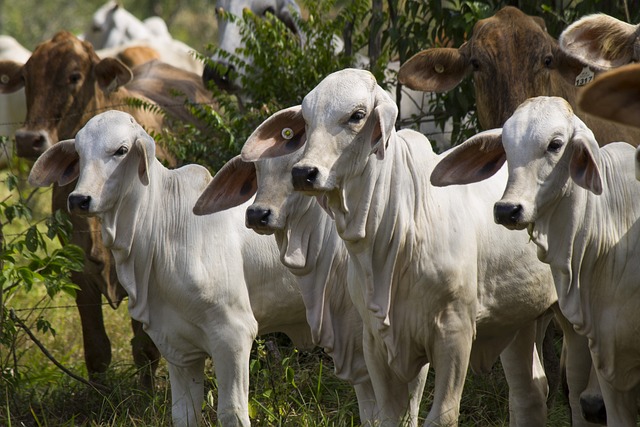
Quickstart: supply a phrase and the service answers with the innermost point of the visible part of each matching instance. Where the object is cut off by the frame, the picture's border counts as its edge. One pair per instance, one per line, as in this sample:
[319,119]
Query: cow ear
[384,117]
[234,184]
[434,70]
[282,133]
[143,162]
[476,159]
[614,95]
[111,73]
[600,41]
[10,77]
[60,163]
[585,159]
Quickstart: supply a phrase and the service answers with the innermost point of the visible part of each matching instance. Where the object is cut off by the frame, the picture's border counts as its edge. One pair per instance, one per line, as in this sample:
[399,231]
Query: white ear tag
[287,133]
[585,76]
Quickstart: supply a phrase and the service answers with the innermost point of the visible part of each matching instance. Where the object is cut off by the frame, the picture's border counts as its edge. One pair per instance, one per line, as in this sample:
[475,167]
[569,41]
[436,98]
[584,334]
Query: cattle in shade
[66,84]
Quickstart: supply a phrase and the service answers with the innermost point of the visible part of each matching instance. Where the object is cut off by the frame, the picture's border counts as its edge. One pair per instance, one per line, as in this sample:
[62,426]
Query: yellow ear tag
[287,133]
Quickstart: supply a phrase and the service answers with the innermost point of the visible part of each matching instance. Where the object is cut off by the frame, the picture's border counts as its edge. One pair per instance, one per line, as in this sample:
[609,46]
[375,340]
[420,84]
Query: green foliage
[29,260]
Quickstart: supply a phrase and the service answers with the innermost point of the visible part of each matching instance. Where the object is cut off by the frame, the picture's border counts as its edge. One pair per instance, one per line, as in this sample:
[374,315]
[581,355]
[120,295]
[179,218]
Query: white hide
[430,271]
[580,204]
[201,285]
[113,29]
[13,106]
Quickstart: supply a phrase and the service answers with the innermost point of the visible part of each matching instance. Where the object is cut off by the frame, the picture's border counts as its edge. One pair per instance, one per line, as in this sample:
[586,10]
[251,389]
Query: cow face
[511,58]
[64,82]
[348,117]
[230,39]
[114,153]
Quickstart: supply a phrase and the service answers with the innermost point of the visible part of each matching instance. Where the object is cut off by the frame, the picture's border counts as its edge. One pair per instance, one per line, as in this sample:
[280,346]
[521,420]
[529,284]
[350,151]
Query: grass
[288,387]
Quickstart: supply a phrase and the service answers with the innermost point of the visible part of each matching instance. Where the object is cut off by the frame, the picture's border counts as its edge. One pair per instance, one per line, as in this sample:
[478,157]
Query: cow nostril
[79,203]
[257,217]
[507,213]
[39,142]
[304,177]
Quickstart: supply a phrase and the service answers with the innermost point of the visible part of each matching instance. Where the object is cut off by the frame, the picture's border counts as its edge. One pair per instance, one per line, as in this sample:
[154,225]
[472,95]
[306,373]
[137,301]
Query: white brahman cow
[580,204]
[201,286]
[438,282]
[312,250]
[113,29]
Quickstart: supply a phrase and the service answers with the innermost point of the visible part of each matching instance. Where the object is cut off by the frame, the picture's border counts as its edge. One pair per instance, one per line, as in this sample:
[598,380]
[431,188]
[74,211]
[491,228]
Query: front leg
[451,351]
[187,393]
[622,408]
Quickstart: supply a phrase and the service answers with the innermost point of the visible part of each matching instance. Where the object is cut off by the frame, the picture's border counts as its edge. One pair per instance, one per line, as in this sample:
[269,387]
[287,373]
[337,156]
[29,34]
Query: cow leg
[187,393]
[391,393]
[577,361]
[526,378]
[145,355]
[366,403]
[622,408]
[416,389]
[451,351]
[97,347]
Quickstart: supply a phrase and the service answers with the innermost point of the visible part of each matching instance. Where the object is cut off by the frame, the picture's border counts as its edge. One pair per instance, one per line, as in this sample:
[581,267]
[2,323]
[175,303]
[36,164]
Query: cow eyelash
[357,116]
[555,145]
[122,151]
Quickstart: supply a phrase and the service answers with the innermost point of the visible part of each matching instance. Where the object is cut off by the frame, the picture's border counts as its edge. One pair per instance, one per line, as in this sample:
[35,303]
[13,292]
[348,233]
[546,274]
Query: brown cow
[66,84]
[511,58]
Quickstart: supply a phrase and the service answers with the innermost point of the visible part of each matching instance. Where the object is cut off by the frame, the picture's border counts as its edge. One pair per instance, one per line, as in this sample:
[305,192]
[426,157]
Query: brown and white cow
[511,58]
[66,84]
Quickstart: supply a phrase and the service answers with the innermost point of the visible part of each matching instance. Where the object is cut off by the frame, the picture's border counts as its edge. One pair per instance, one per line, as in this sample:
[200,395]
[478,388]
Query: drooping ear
[111,74]
[434,70]
[585,159]
[614,95]
[476,159]
[143,163]
[234,184]
[60,163]
[280,134]
[383,120]
[600,41]
[10,77]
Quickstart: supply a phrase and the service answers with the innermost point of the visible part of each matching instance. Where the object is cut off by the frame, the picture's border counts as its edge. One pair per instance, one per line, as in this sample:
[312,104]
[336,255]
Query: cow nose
[215,75]
[506,213]
[31,144]
[304,177]
[78,203]
[257,217]
[593,409]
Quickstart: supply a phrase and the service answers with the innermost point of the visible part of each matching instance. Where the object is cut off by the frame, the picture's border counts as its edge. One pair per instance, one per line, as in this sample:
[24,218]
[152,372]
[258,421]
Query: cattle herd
[342,232]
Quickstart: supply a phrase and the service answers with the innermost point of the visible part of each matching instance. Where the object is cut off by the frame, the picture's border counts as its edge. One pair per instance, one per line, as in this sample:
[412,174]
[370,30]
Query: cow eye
[74,78]
[554,146]
[475,64]
[122,151]
[548,61]
[357,116]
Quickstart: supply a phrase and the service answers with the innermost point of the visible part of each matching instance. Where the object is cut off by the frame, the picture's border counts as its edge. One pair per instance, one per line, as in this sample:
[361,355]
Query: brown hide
[65,85]
[137,55]
[511,58]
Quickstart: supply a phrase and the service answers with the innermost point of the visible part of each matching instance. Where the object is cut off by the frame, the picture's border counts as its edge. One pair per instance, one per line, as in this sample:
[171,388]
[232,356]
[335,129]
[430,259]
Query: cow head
[64,83]
[230,39]
[511,58]
[108,156]
[546,147]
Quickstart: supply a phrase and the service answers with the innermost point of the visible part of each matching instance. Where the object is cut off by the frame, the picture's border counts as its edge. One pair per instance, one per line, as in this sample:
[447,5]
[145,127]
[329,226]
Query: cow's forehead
[339,93]
[61,50]
[508,25]
[537,121]
[107,130]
